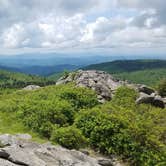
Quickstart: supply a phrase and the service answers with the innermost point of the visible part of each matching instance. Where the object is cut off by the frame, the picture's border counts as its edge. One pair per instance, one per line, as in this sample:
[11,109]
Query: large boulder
[145,98]
[152,99]
[103,83]
[19,150]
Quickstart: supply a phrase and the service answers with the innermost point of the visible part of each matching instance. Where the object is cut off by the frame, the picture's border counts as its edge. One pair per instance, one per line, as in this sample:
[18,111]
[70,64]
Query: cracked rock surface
[20,150]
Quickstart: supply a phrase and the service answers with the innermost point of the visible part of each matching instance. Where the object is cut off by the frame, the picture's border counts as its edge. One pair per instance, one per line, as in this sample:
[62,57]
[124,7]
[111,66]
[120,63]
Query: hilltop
[147,72]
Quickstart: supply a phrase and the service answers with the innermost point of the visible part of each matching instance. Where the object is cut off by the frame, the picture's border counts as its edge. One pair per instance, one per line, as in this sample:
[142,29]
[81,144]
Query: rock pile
[19,150]
[148,96]
[103,83]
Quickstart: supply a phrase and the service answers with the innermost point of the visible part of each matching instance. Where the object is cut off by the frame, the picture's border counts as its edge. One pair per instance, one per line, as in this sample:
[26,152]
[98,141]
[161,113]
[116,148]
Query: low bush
[41,109]
[136,133]
[69,137]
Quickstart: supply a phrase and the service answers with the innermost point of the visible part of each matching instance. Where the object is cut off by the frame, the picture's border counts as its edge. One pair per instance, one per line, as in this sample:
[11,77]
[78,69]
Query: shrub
[69,137]
[125,97]
[78,96]
[41,109]
[162,88]
[136,135]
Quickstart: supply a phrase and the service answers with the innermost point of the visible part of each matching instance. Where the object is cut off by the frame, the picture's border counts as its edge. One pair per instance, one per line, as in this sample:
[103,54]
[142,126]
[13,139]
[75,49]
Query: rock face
[103,83]
[148,96]
[31,87]
[145,89]
[19,150]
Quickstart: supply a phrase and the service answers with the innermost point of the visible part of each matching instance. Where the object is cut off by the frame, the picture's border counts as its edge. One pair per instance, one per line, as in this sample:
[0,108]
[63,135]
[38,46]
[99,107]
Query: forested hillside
[147,72]
[19,80]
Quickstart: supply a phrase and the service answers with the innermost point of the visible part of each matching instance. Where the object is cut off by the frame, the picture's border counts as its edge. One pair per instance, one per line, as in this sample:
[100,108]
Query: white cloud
[13,36]
[78,24]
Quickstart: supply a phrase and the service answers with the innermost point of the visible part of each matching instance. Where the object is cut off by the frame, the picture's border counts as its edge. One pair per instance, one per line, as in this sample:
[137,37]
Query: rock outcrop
[19,150]
[148,96]
[103,83]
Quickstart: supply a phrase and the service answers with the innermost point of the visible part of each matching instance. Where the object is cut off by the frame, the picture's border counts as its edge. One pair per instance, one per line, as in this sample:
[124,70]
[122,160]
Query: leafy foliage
[69,137]
[137,133]
[40,110]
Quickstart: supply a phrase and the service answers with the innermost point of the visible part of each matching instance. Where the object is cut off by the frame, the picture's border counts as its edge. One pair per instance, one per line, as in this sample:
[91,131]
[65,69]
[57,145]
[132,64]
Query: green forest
[148,72]
[19,80]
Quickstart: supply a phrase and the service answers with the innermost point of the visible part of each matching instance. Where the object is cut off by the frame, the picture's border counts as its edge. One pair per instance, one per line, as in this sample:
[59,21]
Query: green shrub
[125,97]
[162,88]
[69,137]
[136,135]
[41,109]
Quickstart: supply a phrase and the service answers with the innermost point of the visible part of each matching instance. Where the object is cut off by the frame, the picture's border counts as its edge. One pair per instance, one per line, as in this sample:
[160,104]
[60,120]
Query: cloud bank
[81,25]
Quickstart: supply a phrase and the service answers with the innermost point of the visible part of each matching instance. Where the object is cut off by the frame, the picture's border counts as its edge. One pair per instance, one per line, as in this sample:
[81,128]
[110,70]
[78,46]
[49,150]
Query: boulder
[145,89]
[152,99]
[105,162]
[158,102]
[31,87]
[145,98]
[19,150]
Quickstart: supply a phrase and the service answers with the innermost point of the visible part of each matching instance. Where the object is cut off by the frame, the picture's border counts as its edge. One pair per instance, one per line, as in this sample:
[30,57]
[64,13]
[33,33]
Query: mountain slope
[137,71]
[19,80]
[128,65]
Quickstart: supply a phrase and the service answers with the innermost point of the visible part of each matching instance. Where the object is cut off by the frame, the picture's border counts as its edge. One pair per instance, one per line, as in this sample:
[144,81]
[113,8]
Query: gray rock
[31,87]
[4,162]
[101,82]
[3,154]
[152,99]
[145,89]
[7,139]
[144,98]
[158,102]
[22,151]
[105,162]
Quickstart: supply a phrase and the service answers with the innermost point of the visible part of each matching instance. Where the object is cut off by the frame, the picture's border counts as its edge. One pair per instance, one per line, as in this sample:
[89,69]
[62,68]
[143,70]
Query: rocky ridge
[105,85]
[19,150]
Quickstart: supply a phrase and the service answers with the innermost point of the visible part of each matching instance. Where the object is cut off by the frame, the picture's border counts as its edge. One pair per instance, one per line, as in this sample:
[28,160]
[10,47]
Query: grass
[9,124]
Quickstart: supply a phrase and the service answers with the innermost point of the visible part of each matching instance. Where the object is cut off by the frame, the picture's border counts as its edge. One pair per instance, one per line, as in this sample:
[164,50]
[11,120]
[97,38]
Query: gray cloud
[158,7]
[63,24]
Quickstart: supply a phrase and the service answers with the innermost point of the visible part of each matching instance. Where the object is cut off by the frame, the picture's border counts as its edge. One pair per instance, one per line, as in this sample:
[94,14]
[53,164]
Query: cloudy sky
[111,26]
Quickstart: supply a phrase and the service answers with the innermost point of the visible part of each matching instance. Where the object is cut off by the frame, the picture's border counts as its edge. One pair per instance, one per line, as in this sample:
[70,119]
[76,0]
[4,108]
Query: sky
[104,26]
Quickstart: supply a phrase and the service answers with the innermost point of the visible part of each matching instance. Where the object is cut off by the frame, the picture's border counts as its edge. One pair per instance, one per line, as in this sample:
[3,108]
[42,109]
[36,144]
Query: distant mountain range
[49,63]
